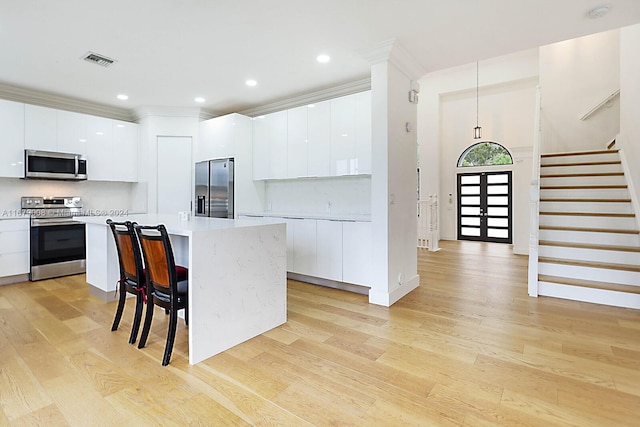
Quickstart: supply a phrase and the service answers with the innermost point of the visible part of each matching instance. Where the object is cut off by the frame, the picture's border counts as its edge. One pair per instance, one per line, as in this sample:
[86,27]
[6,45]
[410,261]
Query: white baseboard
[387,299]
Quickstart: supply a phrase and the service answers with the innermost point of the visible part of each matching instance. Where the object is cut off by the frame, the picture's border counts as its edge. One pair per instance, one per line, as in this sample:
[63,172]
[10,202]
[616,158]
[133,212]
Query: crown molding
[144,112]
[60,102]
[392,51]
[321,95]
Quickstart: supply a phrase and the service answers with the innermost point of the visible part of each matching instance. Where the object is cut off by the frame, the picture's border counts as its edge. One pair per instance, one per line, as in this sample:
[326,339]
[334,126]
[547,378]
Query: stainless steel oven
[58,245]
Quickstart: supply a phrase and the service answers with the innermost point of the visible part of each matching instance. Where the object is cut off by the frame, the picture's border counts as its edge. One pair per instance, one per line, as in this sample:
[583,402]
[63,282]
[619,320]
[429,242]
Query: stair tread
[590,246]
[582,174]
[591,230]
[590,284]
[586,200]
[610,214]
[591,264]
[613,162]
[582,187]
[577,153]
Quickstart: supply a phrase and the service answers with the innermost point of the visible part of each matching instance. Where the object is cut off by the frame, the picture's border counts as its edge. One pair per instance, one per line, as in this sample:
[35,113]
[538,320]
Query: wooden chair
[164,287]
[132,276]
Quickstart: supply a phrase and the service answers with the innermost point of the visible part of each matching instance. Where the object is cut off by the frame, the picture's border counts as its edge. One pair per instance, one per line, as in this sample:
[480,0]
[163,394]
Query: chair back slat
[129,256]
[157,262]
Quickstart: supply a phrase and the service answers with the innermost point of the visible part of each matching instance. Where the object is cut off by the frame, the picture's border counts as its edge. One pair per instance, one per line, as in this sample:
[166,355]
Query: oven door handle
[53,222]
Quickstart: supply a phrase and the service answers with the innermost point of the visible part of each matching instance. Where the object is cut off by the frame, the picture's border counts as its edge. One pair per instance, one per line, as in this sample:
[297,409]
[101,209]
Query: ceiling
[168,52]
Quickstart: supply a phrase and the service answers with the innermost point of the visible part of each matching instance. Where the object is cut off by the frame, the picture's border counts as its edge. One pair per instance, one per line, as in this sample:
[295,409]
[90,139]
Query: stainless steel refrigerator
[214,188]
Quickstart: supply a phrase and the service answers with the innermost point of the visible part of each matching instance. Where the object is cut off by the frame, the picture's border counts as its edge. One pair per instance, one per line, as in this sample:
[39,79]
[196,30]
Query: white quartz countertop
[174,224]
[326,216]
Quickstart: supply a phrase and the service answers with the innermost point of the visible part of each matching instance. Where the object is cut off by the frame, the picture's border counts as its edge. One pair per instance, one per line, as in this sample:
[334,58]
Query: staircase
[589,243]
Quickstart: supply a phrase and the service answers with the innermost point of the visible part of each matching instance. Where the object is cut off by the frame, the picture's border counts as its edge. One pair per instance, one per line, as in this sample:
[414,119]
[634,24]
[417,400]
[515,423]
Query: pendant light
[477,131]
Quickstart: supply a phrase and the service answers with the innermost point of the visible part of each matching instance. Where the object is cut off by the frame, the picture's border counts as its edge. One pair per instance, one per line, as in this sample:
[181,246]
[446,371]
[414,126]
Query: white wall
[447,114]
[630,101]
[575,76]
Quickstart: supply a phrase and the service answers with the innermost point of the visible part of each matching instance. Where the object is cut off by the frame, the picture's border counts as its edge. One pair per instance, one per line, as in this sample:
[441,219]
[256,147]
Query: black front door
[484,207]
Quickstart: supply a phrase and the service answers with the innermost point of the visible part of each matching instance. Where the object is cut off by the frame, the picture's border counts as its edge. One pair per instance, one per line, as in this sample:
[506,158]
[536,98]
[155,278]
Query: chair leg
[120,309]
[171,335]
[147,323]
[136,318]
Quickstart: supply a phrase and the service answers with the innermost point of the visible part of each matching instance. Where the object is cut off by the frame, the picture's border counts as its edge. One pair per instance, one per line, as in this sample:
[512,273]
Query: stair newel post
[535,202]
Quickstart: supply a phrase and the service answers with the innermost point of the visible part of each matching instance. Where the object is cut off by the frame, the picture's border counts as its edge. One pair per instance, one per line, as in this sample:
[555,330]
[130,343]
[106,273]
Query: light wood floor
[468,347]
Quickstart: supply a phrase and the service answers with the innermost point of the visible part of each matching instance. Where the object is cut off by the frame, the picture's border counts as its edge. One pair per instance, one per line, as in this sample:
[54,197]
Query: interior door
[485,206]
[174,174]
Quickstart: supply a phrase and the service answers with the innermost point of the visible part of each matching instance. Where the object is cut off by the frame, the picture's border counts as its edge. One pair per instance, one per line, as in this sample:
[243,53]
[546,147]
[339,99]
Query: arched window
[485,154]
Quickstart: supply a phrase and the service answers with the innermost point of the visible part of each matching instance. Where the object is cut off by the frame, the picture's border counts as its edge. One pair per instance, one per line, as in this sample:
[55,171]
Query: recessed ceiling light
[123,97]
[119,126]
[323,58]
[199,99]
[251,82]
[311,105]
[99,133]
[599,11]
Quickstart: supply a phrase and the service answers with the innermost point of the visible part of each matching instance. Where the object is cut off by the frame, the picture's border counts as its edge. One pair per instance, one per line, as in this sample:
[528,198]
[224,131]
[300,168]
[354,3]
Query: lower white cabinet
[304,246]
[14,247]
[329,249]
[356,253]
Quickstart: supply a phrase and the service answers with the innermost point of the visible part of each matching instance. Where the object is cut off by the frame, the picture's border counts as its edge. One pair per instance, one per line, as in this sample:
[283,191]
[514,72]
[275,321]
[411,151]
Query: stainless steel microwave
[52,165]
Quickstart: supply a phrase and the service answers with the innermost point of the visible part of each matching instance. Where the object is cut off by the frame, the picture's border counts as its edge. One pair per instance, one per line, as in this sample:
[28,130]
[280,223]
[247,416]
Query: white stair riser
[581,158]
[610,239]
[594,255]
[589,222]
[613,193]
[598,207]
[549,170]
[587,273]
[598,296]
[584,180]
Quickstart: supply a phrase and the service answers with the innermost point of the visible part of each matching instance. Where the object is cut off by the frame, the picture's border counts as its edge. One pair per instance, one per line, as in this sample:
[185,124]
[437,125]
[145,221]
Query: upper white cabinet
[329,138]
[101,160]
[217,138]
[318,139]
[40,128]
[297,142]
[72,132]
[125,149]
[12,131]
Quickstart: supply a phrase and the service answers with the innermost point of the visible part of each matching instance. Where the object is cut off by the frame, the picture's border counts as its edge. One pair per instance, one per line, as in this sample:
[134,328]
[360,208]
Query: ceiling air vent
[98,59]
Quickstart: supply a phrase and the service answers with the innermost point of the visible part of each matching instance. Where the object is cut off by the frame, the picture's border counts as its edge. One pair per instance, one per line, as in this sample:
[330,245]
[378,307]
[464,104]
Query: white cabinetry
[14,247]
[297,142]
[329,249]
[125,151]
[329,138]
[356,253]
[319,137]
[72,132]
[12,131]
[216,139]
[100,157]
[304,246]
[277,137]
[40,128]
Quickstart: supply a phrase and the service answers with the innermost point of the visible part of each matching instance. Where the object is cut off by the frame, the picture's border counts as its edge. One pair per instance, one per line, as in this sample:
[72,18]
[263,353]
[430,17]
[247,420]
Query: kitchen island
[237,275]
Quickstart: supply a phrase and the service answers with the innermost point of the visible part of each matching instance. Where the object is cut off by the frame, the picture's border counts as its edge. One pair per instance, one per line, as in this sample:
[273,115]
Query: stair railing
[534,193]
[428,224]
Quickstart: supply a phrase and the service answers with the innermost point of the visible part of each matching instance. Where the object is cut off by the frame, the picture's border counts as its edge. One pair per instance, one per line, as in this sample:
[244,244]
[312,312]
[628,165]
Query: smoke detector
[599,11]
[98,59]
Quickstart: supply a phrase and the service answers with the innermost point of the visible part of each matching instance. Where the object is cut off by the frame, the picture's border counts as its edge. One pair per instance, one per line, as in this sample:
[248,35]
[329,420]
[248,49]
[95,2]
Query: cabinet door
[277,125]
[216,138]
[304,246]
[12,131]
[72,132]
[99,149]
[14,247]
[260,142]
[40,128]
[319,139]
[125,150]
[356,253]
[363,133]
[343,121]
[329,249]
[297,142]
